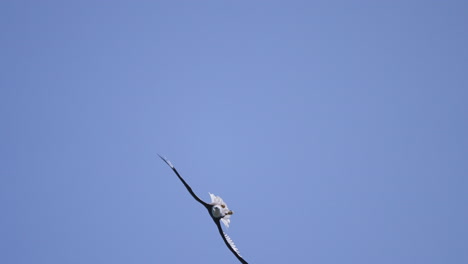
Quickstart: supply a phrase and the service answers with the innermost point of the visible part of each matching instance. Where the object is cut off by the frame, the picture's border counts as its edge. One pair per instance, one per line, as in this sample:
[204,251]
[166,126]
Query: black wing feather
[229,243]
[182,180]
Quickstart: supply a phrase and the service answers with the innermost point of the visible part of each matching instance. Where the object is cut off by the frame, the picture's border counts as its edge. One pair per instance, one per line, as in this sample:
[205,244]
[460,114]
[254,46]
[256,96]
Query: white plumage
[232,244]
[221,209]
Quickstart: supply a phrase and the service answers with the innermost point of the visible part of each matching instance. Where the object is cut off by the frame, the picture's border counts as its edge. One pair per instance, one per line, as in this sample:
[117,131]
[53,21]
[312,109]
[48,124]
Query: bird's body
[218,211]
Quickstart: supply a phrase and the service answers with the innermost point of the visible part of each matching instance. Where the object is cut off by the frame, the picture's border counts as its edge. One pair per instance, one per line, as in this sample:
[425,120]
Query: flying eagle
[218,211]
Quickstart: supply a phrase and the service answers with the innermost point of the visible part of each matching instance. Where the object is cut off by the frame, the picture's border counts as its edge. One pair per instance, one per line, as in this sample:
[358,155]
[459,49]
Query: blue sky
[336,131]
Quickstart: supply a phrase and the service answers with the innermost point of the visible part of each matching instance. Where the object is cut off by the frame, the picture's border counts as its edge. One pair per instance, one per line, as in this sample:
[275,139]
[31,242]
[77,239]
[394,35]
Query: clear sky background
[336,131]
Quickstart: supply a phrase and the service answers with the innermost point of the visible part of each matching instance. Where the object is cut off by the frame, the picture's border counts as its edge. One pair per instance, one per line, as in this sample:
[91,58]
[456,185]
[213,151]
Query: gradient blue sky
[336,131]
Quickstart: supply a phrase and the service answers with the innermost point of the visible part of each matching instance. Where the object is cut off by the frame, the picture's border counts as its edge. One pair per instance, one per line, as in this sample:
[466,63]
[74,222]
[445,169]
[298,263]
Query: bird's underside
[216,207]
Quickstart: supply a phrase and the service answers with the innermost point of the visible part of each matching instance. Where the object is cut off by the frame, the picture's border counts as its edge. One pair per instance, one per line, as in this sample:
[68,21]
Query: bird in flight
[218,211]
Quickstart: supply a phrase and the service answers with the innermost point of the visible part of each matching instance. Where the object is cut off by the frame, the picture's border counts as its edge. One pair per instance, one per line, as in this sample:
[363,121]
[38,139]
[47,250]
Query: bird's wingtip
[166,160]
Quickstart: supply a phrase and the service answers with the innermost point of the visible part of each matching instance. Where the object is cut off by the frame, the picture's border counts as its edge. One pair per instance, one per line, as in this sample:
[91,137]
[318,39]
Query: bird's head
[216,211]
[219,209]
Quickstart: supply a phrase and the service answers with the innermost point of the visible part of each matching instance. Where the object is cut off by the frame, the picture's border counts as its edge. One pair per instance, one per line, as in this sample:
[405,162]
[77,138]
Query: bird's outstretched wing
[230,243]
[182,180]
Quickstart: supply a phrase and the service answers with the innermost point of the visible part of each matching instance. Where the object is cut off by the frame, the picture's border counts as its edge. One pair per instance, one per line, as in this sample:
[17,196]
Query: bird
[217,209]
